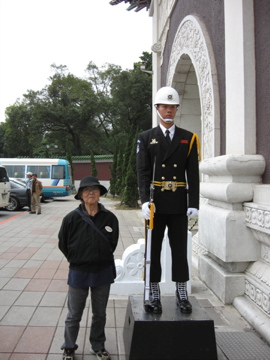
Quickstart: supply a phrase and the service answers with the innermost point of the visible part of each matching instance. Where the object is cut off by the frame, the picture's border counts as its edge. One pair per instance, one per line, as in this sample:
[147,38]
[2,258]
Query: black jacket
[84,248]
[173,163]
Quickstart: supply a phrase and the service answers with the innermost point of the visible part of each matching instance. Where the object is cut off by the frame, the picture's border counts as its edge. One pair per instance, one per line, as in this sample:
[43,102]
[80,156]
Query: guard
[167,159]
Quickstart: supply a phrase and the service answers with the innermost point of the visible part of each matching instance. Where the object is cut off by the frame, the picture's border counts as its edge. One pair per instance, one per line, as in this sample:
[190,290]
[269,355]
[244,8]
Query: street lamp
[142,67]
[52,147]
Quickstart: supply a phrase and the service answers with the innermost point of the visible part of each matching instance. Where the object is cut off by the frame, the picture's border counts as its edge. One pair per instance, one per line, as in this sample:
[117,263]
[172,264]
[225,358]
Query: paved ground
[33,292]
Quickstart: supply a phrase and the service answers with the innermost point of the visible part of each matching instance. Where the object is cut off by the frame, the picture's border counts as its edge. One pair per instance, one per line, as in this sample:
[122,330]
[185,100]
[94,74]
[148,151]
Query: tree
[146,60]
[106,116]
[18,138]
[67,109]
[132,99]
[93,165]
[114,172]
[131,195]
[2,133]
[80,116]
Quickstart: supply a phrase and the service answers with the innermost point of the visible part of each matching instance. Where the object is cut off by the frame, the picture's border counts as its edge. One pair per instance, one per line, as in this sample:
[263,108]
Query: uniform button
[174,178]
[163,165]
[163,178]
[175,165]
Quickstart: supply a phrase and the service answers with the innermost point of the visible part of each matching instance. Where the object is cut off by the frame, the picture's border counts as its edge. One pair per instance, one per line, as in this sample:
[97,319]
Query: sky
[34,34]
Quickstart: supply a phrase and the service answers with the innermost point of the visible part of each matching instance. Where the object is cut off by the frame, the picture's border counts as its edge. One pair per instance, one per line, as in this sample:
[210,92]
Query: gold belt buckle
[169,185]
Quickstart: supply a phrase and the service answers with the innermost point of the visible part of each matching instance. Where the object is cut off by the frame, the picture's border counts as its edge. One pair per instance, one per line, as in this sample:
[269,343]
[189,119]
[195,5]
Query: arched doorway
[186,84]
[192,72]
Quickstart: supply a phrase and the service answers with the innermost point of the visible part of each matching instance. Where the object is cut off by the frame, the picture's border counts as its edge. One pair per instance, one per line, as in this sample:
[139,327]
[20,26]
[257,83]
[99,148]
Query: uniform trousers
[76,303]
[177,233]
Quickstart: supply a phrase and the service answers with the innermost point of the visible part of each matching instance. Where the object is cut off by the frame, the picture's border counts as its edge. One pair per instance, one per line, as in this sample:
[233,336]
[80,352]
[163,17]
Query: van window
[3,175]
[58,172]
[16,171]
[42,171]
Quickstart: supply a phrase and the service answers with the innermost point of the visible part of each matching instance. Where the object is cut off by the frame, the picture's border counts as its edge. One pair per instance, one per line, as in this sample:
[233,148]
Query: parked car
[18,195]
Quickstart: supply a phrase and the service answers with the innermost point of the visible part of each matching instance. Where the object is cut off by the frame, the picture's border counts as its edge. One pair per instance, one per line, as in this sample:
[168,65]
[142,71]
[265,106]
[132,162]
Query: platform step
[170,335]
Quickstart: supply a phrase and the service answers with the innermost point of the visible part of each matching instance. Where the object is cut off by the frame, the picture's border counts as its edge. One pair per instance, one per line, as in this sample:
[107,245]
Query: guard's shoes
[184,305]
[154,307]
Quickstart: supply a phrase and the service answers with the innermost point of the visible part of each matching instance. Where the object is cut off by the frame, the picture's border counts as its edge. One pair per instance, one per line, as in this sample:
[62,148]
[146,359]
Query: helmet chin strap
[165,120]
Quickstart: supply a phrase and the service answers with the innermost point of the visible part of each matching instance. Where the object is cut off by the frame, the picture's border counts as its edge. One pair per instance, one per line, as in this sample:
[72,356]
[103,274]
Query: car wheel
[14,204]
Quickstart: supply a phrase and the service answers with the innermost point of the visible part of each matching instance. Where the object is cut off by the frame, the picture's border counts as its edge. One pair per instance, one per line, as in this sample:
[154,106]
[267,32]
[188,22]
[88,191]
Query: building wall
[212,14]
[262,53]
[82,169]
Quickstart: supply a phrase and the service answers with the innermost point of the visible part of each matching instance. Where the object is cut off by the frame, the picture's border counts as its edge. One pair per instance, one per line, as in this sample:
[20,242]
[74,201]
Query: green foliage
[18,137]
[130,194]
[2,132]
[93,165]
[72,113]
[69,159]
[114,172]
[146,60]
[132,98]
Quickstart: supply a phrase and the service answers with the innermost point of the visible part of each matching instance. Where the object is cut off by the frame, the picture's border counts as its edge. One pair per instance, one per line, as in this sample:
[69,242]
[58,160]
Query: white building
[216,54]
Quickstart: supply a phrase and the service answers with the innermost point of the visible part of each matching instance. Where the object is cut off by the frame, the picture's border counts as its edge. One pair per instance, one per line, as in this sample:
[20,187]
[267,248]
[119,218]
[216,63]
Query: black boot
[182,298]
[154,305]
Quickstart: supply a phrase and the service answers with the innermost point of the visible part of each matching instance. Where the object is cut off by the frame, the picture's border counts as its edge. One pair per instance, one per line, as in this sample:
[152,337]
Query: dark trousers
[177,233]
[76,304]
[28,191]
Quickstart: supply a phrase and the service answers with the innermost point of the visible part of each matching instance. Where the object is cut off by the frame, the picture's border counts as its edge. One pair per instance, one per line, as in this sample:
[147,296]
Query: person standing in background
[28,188]
[36,189]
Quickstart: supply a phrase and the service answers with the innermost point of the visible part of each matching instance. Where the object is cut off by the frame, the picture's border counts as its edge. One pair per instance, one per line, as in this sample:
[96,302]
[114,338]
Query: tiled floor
[33,282]
[33,287]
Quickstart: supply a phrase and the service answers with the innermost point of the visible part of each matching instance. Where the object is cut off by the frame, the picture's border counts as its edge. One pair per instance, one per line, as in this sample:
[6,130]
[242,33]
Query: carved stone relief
[258,296]
[257,287]
[164,11]
[192,39]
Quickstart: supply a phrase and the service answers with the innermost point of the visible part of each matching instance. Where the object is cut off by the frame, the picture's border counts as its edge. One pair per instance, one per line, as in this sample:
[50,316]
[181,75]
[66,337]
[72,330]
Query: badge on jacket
[108,228]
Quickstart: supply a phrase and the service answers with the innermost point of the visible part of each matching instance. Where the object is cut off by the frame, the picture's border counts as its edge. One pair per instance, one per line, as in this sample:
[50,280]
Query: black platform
[170,335]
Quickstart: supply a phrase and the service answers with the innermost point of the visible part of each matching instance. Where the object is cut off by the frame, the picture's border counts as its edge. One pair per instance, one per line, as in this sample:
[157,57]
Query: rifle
[148,243]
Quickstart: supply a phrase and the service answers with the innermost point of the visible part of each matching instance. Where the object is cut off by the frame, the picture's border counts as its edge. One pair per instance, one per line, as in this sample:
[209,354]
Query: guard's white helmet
[167,95]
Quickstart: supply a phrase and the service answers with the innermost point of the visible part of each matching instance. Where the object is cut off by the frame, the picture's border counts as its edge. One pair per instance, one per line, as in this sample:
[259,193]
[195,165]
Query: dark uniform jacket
[84,248]
[176,162]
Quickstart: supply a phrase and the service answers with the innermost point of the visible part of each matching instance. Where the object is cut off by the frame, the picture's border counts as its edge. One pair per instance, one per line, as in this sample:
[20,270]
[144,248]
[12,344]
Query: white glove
[146,210]
[191,212]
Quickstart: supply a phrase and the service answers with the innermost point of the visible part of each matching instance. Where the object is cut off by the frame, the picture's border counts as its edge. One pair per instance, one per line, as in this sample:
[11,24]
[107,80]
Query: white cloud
[37,33]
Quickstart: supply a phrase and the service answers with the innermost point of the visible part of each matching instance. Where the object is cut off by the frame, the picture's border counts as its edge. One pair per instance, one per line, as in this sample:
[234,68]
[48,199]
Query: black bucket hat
[90,181]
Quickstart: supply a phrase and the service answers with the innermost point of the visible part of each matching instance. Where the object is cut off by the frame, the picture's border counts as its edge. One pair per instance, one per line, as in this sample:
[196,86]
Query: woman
[89,250]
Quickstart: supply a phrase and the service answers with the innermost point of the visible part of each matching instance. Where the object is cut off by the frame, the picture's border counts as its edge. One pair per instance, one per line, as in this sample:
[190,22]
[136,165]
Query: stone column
[240,77]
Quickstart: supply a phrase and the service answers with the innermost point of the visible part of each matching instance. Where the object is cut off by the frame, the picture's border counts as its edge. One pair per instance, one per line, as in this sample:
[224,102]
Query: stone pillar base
[224,284]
